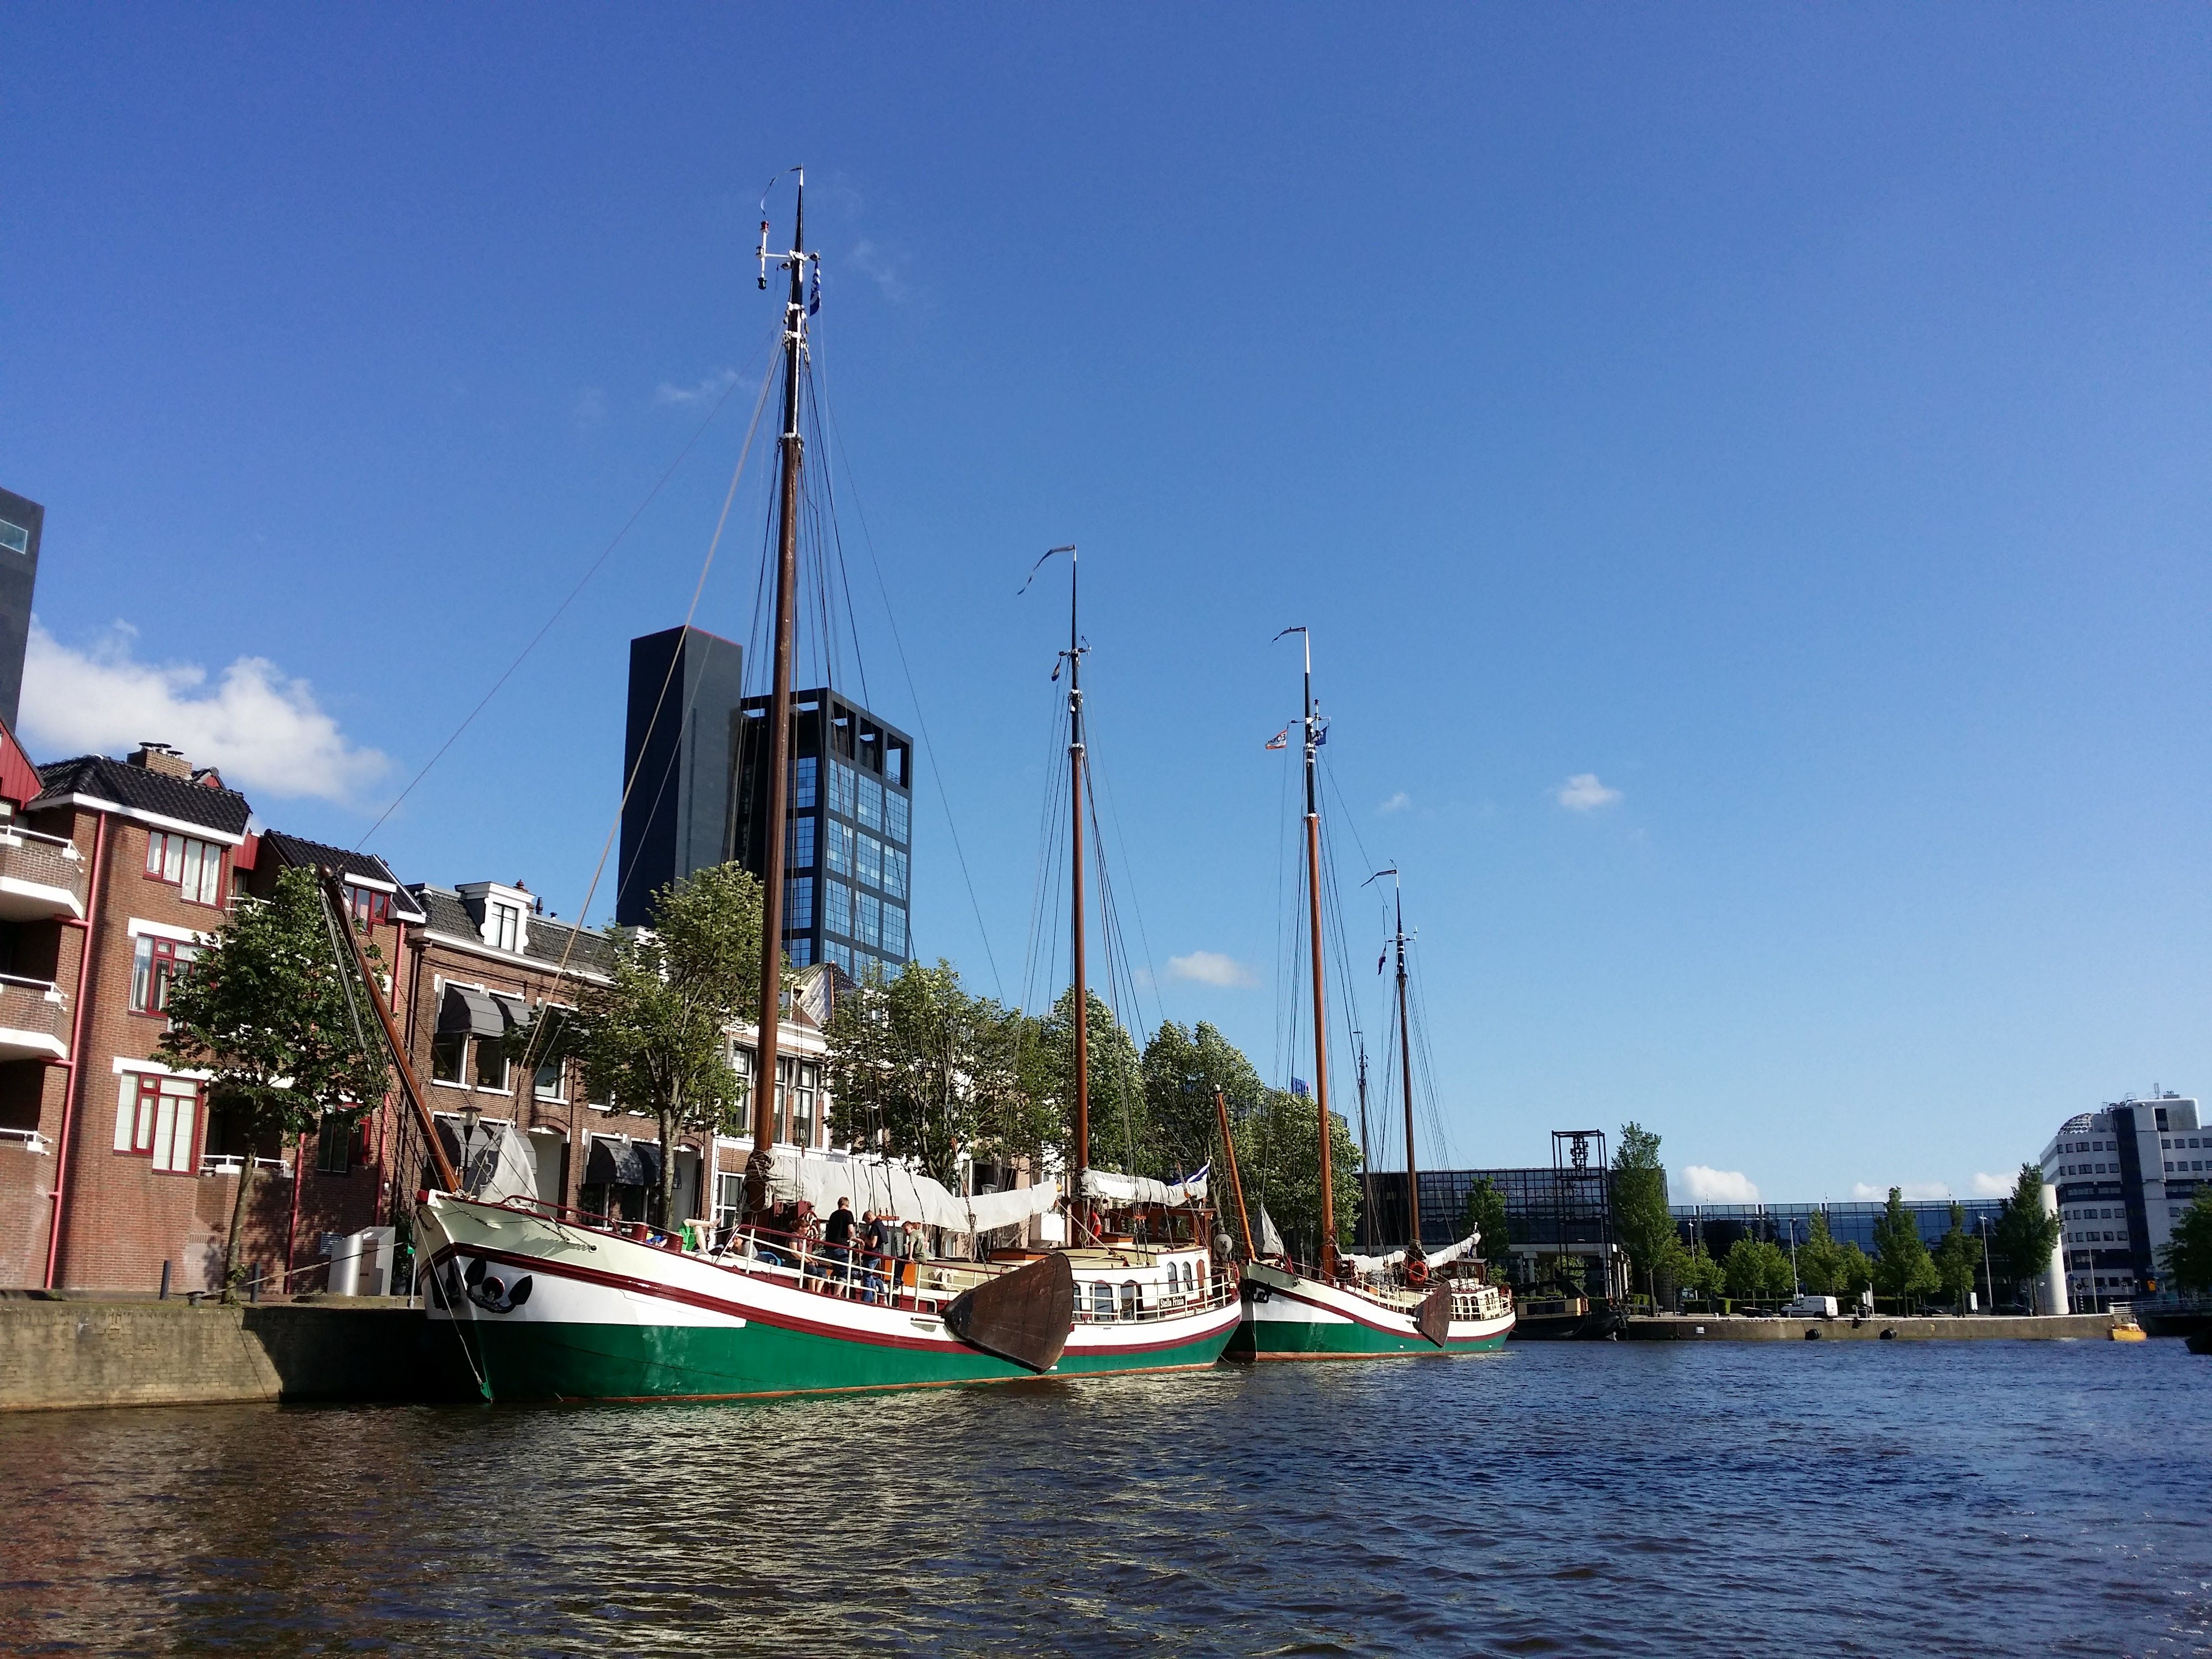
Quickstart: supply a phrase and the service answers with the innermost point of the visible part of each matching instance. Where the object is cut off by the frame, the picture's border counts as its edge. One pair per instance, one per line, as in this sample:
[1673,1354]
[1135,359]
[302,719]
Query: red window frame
[368,905]
[158,842]
[163,968]
[146,1118]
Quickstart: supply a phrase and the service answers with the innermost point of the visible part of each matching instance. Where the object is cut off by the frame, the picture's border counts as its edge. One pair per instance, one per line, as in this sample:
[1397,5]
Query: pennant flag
[1281,739]
[1380,960]
[814,296]
[1320,732]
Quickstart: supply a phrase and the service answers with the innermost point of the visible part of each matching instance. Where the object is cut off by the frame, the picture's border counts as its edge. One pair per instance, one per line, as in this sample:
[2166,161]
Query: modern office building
[21,522]
[849,837]
[2123,1174]
[685,686]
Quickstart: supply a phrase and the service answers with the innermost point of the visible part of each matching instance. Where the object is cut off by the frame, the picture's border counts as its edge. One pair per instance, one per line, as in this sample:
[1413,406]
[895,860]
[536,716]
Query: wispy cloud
[1401,802]
[1582,792]
[880,268]
[671,395]
[1911,1189]
[1210,968]
[261,727]
[1989,1186]
[1705,1185]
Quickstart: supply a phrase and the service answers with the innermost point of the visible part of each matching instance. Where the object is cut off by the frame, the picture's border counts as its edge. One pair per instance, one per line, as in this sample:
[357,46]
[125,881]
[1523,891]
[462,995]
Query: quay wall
[1982,1327]
[65,1353]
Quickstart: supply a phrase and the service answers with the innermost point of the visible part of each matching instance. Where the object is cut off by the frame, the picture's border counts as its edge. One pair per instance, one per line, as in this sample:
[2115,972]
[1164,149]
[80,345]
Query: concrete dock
[1971,1327]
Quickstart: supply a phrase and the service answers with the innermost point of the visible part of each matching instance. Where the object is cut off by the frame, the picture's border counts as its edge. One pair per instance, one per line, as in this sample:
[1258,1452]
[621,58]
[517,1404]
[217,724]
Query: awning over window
[467,1012]
[623,1163]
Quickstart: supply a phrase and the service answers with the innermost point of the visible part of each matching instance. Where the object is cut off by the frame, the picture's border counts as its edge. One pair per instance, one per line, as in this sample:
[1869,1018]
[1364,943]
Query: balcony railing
[219,1163]
[32,1012]
[40,876]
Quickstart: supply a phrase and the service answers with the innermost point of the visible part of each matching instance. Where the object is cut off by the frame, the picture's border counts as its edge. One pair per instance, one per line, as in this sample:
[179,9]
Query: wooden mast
[1406,1073]
[1078,986]
[1328,1263]
[794,451]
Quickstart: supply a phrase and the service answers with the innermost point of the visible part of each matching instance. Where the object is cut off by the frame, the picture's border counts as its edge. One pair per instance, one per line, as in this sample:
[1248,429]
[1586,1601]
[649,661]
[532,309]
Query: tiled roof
[144,789]
[548,938]
[302,854]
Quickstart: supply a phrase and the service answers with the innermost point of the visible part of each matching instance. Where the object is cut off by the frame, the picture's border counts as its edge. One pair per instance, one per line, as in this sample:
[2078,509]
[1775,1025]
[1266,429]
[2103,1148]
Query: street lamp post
[1796,1284]
[1989,1280]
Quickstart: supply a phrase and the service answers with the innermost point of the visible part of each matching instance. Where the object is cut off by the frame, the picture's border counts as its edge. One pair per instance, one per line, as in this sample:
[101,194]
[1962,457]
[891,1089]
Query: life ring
[1417,1272]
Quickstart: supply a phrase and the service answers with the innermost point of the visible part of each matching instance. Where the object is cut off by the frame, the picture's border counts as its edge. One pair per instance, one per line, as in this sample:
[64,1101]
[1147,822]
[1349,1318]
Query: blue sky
[1792,423]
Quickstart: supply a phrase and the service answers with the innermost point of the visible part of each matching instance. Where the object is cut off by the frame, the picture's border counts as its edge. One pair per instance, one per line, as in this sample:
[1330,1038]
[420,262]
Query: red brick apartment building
[113,1166]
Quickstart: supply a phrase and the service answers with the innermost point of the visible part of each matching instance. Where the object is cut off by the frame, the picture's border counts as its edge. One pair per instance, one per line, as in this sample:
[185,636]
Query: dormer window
[503,929]
[501,914]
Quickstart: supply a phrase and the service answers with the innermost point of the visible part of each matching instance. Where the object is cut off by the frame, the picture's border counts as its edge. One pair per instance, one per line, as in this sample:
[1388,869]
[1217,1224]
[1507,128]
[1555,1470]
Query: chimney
[160,757]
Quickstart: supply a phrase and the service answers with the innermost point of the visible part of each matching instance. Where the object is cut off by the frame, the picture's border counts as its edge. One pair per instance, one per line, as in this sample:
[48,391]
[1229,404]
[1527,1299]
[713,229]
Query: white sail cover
[1142,1189]
[875,1183]
[1368,1266]
[501,1165]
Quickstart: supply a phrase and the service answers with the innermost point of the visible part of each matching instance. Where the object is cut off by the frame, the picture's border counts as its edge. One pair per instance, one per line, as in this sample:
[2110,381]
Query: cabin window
[1130,1303]
[1101,1301]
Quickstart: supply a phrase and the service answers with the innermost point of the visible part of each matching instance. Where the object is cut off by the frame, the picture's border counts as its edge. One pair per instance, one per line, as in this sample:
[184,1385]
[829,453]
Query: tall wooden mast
[1078,986]
[1313,927]
[793,454]
[1406,1075]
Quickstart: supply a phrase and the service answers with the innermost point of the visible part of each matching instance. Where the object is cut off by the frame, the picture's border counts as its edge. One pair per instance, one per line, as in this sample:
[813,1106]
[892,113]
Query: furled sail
[876,1184]
[1142,1189]
[1368,1266]
[1270,1242]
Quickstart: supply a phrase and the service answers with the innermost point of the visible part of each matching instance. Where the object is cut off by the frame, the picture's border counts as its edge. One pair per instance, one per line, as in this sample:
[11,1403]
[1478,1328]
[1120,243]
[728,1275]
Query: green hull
[1320,1338]
[544,1360]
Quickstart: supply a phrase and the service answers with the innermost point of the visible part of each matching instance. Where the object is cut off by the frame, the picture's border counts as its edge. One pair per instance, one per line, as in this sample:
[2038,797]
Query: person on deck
[837,1240]
[878,1236]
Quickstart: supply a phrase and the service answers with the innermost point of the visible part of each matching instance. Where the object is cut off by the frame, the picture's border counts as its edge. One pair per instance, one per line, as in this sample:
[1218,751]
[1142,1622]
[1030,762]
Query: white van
[1811,1307]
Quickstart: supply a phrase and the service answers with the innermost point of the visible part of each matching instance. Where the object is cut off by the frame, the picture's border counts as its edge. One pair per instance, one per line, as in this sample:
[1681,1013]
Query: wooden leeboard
[1433,1317]
[1024,1315]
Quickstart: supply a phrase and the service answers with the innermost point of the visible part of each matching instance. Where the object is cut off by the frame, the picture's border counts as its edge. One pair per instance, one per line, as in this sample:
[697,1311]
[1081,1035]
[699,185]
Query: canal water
[1876,1499]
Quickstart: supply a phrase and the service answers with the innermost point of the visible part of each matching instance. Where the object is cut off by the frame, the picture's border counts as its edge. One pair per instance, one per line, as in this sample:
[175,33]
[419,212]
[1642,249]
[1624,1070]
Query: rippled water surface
[1875,1498]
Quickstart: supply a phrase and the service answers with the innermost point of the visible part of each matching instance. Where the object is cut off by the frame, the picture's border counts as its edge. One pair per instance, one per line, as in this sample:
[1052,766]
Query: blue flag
[1299,1085]
[814,295]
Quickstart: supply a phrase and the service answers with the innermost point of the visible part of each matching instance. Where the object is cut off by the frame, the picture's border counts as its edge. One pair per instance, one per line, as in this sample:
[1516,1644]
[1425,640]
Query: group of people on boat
[839,1254]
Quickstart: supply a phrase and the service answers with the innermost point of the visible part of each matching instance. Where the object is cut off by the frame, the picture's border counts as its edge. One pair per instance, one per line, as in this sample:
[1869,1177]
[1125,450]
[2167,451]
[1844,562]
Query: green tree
[1279,1152]
[1957,1258]
[1640,1201]
[1485,1212]
[922,1069]
[1121,1133]
[1183,1068]
[1821,1259]
[1701,1273]
[1854,1271]
[655,1036]
[2187,1262]
[2023,1236]
[1902,1268]
[282,1027]
[1757,1271]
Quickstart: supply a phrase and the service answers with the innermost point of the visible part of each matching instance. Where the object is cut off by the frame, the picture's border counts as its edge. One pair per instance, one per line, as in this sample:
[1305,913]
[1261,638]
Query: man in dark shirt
[837,1238]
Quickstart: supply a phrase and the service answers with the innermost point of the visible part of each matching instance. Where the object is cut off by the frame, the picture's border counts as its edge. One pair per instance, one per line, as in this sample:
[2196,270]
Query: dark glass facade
[22,523]
[849,836]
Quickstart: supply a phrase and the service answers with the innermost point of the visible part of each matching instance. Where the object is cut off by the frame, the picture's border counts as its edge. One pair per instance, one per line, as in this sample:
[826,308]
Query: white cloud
[880,269]
[1582,792]
[1908,1189]
[262,728]
[1989,1186]
[1708,1186]
[705,392]
[1210,968]
[1401,802]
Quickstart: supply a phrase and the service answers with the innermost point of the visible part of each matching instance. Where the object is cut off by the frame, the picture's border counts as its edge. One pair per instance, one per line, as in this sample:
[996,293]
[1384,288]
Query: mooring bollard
[165,1281]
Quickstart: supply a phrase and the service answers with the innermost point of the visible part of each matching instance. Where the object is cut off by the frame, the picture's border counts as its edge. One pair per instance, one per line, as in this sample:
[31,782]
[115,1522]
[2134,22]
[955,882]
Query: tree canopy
[2024,1236]
[1183,1068]
[2187,1262]
[1757,1271]
[1902,1266]
[1485,1212]
[1639,1200]
[1279,1152]
[275,1015]
[1958,1260]
[654,1037]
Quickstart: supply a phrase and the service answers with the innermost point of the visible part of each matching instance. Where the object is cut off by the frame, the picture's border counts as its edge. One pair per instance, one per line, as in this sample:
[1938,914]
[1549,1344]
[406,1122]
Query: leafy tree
[654,1037]
[929,1071]
[282,1027]
[1485,1212]
[1756,1270]
[1639,1200]
[1700,1271]
[1821,1259]
[1279,1152]
[2024,1237]
[1121,1133]
[1854,1271]
[1902,1266]
[1183,1068]
[1957,1258]
[2187,1262]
